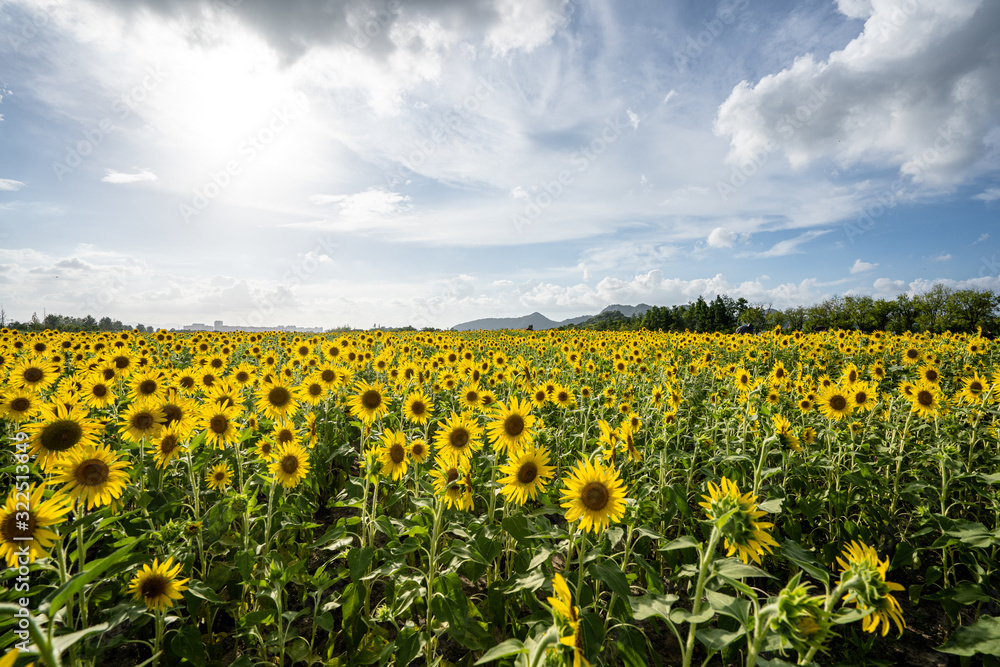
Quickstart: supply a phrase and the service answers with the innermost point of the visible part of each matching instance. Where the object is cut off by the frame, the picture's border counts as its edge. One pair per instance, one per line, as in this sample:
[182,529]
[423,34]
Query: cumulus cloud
[943,257]
[118,177]
[988,195]
[9,185]
[721,238]
[861,267]
[916,90]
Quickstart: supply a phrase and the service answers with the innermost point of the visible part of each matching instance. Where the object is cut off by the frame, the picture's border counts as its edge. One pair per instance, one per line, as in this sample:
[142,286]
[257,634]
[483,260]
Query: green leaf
[983,636]
[187,644]
[737,569]
[592,631]
[685,616]
[62,643]
[772,506]
[531,581]
[503,650]
[716,639]
[541,557]
[200,590]
[682,542]
[93,571]
[728,605]
[794,552]
[964,593]
[646,606]
[611,575]
[408,644]
[358,560]
[971,533]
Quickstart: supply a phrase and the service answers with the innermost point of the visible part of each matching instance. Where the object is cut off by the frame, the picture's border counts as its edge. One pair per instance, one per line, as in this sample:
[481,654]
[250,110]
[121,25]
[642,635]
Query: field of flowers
[507,498]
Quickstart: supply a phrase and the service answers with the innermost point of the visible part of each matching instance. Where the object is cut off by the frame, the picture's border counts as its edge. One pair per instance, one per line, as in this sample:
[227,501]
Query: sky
[428,162]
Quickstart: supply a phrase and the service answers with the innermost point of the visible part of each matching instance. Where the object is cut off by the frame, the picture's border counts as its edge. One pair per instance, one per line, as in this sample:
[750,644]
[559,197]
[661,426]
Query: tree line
[938,310]
[56,322]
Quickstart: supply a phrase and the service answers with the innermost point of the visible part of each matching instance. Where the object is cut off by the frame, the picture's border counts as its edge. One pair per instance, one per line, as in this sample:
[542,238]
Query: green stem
[431,647]
[706,560]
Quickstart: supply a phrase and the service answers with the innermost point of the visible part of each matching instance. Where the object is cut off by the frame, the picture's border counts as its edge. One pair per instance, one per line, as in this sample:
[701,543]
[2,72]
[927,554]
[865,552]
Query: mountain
[541,323]
[628,311]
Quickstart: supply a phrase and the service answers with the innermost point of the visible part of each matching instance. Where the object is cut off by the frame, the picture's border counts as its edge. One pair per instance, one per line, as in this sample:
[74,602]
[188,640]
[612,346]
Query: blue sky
[429,162]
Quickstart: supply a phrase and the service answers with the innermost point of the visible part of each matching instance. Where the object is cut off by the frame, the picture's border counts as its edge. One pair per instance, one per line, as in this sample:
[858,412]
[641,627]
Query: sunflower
[93,474]
[833,402]
[540,396]
[18,533]
[563,397]
[740,529]
[470,396]
[511,428]
[220,424]
[449,481]
[34,373]
[419,451]
[219,477]
[20,405]
[911,355]
[181,411]
[457,438]
[929,374]
[225,394]
[808,435]
[290,465]
[973,388]
[141,421]
[864,575]
[924,400]
[526,473]
[418,407]
[168,445]
[267,448]
[313,390]
[783,429]
[97,392]
[595,495]
[147,384]
[59,430]
[157,585]
[276,399]
[369,403]
[245,374]
[862,396]
[392,454]
[568,617]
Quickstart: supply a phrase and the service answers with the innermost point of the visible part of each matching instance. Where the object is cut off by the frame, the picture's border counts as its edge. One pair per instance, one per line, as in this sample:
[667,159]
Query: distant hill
[541,323]
[628,311]
[537,320]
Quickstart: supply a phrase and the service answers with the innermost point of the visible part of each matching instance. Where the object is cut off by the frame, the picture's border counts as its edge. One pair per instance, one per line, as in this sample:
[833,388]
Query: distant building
[218,325]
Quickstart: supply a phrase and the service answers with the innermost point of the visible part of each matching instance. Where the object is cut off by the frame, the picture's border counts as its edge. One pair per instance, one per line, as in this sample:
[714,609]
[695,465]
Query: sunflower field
[499,498]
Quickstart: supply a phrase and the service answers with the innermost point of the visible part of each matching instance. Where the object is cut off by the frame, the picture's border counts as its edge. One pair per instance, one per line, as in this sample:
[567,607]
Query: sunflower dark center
[168,444]
[187,382]
[513,426]
[925,398]
[912,354]
[838,402]
[143,421]
[33,374]
[328,376]
[315,389]
[397,453]
[216,363]
[472,396]
[541,396]
[418,408]
[861,398]
[285,435]
[279,397]
[975,387]
[417,449]
[459,438]
[452,475]
[290,464]
[595,496]
[121,362]
[92,472]
[852,377]
[208,379]
[172,412]
[219,423]
[371,399]
[12,528]
[154,586]
[20,404]
[527,473]
[99,391]
[61,435]
[931,375]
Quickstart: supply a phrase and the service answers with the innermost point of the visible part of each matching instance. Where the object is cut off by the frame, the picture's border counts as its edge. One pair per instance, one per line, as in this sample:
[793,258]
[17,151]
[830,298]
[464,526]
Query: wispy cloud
[982,237]
[943,257]
[9,185]
[121,178]
[788,246]
[988,195]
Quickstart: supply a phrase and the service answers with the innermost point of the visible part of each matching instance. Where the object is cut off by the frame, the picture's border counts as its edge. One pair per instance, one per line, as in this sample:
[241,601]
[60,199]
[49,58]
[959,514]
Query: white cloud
[943,257]
[982,237]
[118,177]
[861,267]
[9,185]
[373,201]
[915,90]
[721,238]
[989,195]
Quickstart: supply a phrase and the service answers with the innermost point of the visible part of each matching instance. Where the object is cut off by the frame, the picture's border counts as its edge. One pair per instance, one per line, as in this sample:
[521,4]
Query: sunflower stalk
[705,557]
[431,647]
